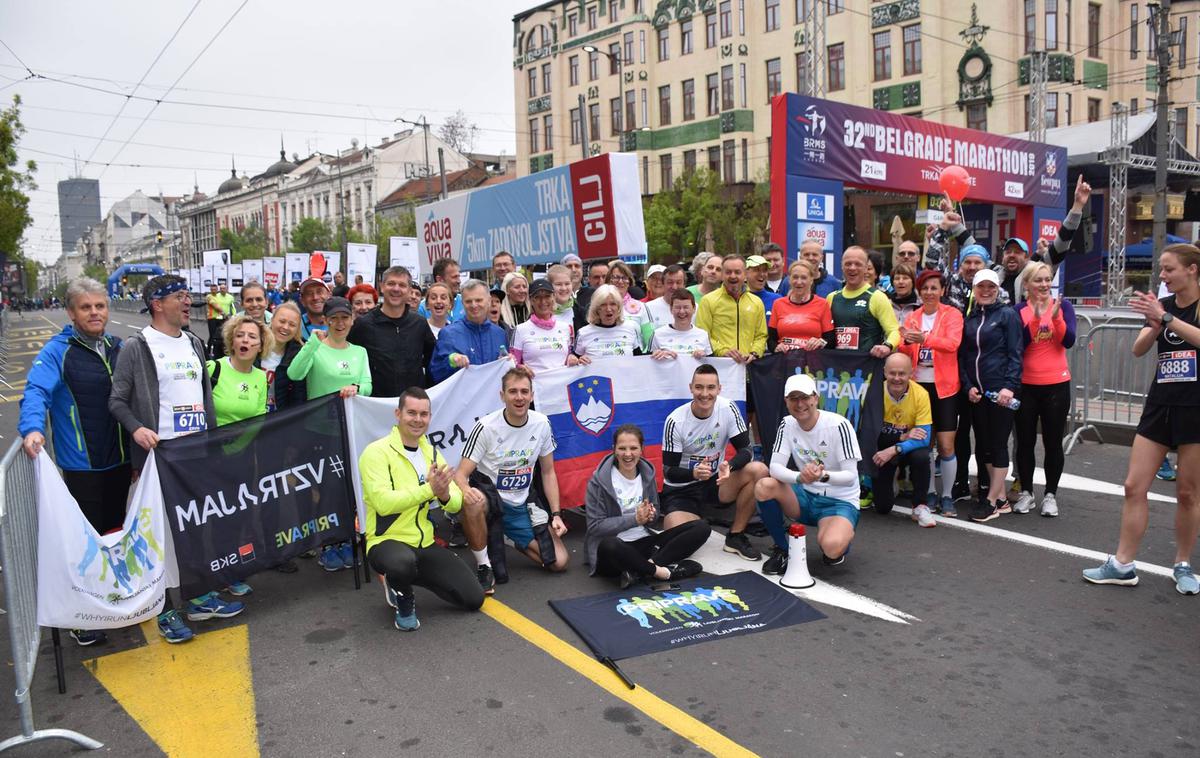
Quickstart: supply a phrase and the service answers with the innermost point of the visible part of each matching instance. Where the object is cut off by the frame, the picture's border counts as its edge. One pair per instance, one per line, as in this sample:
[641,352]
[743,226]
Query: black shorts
[1170,425]
[690,499]
[945,410]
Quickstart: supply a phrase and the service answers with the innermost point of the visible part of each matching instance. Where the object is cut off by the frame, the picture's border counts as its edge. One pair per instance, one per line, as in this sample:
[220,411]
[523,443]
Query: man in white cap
[757,268]
[822,489]
[654,282]
[313,294]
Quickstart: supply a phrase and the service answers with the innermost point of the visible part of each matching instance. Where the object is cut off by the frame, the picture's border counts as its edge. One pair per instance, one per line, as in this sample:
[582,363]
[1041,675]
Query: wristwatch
[897,449]
[1167,318]
[824,479]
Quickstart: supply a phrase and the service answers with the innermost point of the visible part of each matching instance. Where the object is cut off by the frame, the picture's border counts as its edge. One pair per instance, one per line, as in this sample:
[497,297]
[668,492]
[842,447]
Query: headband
[167,289]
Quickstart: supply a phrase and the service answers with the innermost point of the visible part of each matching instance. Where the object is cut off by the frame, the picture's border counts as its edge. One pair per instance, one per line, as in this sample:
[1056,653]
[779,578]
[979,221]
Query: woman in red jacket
[930,336]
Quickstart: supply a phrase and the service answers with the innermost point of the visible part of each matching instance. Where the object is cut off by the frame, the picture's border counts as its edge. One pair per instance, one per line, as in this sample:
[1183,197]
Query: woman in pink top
[1048,325]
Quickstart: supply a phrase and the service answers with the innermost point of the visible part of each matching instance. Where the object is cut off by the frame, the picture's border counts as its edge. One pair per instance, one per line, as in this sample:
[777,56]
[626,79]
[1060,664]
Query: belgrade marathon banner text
[848,383]
[592,207]
[245,497]
[641,620]
[586,403]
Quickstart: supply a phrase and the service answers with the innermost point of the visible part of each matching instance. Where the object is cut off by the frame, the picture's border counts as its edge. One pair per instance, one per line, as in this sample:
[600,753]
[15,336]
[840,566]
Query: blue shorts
[517,525]
[813,508]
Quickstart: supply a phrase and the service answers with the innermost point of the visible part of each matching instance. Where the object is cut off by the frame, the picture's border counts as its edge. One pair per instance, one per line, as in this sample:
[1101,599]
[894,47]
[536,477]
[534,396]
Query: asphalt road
[1009,653]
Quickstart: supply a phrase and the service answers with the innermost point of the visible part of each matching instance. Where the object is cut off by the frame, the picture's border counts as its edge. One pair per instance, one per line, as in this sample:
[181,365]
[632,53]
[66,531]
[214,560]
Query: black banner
[848,383]
[245,497]
[642,620]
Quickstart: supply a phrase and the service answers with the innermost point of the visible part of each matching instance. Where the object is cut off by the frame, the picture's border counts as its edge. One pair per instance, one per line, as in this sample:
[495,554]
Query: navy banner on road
[848,383]
[641,620]
[245,497]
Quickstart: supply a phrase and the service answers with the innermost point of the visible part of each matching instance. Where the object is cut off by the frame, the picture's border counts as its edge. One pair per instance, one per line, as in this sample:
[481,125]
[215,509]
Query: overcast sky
[319,73]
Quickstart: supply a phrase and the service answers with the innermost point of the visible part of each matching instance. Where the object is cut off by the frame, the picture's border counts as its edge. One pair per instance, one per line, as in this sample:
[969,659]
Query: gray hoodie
[604,516]
[134,398]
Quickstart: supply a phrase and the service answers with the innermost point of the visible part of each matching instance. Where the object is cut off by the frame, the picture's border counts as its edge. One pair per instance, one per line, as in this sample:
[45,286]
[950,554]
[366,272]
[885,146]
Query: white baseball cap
[985,275]
[657,268]
[802,383]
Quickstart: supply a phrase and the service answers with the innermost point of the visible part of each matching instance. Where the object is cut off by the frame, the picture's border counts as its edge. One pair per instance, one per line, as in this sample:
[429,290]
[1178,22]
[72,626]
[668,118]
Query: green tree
[386,227]
[16,180]
[681,218]
[96,271]
[312,234]
[754,214]
[248,243]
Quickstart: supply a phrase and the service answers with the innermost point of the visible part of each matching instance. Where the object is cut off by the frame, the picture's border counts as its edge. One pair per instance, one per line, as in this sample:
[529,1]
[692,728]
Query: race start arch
[826,146]
[114,279]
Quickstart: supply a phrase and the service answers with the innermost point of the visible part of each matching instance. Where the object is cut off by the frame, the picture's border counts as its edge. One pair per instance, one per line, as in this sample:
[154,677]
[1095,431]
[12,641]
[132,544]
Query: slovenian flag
[586,404]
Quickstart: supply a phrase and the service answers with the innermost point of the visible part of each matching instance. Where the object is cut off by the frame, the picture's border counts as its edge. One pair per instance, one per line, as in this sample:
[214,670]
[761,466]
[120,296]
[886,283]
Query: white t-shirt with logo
[629,497]
[180,384]
[832,442]
[659,312]
[925,352]
[670,338]
[543,349]
[609,341]
[506,454]
[701,439]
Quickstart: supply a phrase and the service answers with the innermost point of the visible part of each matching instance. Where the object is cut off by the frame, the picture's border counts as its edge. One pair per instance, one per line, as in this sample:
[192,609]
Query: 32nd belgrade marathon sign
[870,148]
[592,208]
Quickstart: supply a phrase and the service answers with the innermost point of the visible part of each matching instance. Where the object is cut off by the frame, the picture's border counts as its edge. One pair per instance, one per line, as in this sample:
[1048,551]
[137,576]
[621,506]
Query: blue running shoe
[1185,581]
[390,595]
[331,559]
[239,589]
[406,612]
[87,637]
[211,606]
[947,508]
[1166,471]
[1108,573]
[172,628]
[932,501]
[346,552]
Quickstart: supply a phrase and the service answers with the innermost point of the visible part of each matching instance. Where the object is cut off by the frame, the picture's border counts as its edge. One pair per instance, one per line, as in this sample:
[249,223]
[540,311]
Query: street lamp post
[620,58]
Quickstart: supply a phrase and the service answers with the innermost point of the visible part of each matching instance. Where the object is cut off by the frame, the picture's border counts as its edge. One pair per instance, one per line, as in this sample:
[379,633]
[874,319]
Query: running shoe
[172,628]
[628,579]
[1108,573]
[923,516]
[961,491]
[85,637]
[685,569]
[1024,503]
[1166,471]
[932,501]
[487,579]
[390,595]
[835,561]
[904,488]
[346,553]
[739,544]
[1015,490]
[947,508]
[211,606]
[331,559]
[866,498]
[777,563]
[457,537]
[1185,581]
[984,511]
[1003,506]
[239,589]
[1049,505]
[406,612]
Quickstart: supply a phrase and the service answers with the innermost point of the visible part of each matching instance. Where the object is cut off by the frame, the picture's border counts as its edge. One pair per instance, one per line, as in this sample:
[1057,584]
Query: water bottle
[995,398]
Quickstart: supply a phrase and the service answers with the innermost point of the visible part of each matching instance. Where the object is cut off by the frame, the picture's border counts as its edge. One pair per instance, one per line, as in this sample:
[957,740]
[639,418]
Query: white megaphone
[797,577]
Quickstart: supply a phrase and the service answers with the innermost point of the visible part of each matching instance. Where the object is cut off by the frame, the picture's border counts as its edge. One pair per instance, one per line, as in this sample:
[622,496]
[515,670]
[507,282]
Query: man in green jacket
[403,476]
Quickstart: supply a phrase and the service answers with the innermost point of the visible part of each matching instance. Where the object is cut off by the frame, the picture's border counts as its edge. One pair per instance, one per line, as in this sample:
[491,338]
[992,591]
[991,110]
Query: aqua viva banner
[592,208]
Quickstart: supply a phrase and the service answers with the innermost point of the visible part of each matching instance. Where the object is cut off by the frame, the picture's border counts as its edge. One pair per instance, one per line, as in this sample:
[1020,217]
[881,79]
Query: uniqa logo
[684,607]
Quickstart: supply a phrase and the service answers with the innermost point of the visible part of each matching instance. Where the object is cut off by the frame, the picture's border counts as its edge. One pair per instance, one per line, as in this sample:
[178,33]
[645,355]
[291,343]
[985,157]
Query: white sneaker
[1049,505]
[1024,503]
[923,516]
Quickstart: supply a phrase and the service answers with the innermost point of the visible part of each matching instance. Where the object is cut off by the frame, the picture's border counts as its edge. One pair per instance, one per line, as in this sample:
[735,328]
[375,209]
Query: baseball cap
[754,261]
[313,280]
[986,275]
[336,305]
[657,268]
[979,251]
[1019,242]
[541,285]
[802,383]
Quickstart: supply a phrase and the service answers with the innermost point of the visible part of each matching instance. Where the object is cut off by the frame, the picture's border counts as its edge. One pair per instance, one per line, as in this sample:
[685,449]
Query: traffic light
[124,281]
[158,237]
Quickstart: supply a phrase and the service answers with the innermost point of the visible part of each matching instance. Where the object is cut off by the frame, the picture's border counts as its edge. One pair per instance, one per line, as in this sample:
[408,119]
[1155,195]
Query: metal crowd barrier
[1109,383]
[18,554]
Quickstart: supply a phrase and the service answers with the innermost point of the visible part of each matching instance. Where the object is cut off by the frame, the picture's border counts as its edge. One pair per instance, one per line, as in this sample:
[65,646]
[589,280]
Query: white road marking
[1087,484]
[715,560]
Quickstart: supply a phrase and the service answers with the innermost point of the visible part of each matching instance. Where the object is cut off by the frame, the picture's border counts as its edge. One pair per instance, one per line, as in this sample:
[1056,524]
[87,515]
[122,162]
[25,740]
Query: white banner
[360,261]
[252,271]
[457,403]
[208,277]
[273,272]
[296,268]
[403,252]
[194,280]
[92,581]
[218,260]
[236,277]
[323,264]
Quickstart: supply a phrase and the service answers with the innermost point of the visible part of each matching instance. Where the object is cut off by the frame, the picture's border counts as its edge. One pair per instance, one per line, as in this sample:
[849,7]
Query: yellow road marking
[192,699]
[648,703]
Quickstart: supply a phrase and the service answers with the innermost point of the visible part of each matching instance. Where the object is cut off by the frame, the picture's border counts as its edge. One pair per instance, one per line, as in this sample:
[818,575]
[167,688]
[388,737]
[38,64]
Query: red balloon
[955,182]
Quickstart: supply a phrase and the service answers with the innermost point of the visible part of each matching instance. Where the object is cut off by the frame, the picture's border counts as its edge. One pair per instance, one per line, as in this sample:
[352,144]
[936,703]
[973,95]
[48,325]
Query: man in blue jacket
[473,341]
[69,384]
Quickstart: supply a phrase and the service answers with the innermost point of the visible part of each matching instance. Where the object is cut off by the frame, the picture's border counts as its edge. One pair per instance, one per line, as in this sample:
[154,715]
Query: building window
[771,7]
[728,161]
[639,7]
[1093,110]
[614,59]
[801,71]
[727,87]
[1134,31]
[1093,22]
[576,126]
[572,25]
[628,48]
[532,74]
[591,13]
[614,106]
[714,160]
[714,104]
[547,129]
[883,55]
[1051,110]
[594,121]
[1133,106]
[837,67]
[742,85]
[593,66]
[533,135]
[1051,24]
[912,49]
[689,161]
[642,46]
[646,171]
[977,116]
[689,99]
[774,79]
[1180,126]
[612,13]
[546,79]
[664,105]
[685,37]
[746,159]
[742,18]
[726,14]
[666,170]
[645,108]
[573,69]
[664,43]
[710,30]
[1067,108]
[801,10]
[1183,35]
[1030,25]
[834,6]
[630,110]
